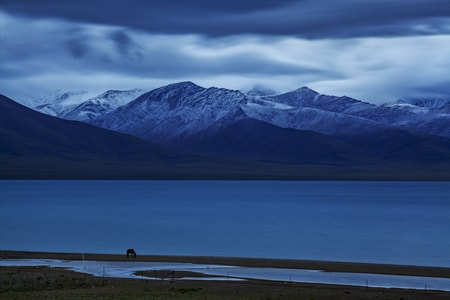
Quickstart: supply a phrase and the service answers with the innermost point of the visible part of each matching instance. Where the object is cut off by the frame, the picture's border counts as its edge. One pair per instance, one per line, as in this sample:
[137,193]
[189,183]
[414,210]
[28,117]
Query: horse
[131,252]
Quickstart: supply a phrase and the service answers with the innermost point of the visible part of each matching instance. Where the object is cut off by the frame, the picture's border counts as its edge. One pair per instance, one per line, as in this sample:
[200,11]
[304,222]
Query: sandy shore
[245,262]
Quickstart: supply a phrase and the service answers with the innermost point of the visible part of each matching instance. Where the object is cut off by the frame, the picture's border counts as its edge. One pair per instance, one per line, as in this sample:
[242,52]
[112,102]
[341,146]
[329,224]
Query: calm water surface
[383,222]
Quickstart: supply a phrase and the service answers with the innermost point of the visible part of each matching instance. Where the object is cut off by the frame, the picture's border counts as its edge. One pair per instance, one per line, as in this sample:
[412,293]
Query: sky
[373,50]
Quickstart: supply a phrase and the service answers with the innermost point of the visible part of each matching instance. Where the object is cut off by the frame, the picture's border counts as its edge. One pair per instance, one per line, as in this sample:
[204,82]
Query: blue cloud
[301,18]
[372,50]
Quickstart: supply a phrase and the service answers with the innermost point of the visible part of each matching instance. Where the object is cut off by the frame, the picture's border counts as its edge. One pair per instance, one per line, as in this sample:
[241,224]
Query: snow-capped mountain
[53,97]
[434,103]
[100,105]
[305,97]
[176,113]
[298,127]
[430,115]
[81,105]
[437,104]
[57,102]
[183,112]
[311,111]
[305,109]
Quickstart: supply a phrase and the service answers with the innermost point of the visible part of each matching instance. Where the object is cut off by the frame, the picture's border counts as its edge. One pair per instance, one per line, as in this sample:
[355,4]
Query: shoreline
[328,266]
[45,282]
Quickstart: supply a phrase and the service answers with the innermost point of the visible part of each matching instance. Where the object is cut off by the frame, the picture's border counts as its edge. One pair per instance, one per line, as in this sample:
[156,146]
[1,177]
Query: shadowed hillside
[38,146]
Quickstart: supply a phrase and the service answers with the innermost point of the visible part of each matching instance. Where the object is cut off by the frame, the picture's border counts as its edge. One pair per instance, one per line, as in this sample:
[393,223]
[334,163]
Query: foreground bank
[329,266]
[42,283]
[150,280]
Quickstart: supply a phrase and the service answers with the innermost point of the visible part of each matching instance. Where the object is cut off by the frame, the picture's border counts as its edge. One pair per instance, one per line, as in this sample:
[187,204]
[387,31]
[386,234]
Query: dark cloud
[107,45]
[301,18]
[129,49]
[100,49]
[77,47]
[122,41]
[440,88]
[402,47]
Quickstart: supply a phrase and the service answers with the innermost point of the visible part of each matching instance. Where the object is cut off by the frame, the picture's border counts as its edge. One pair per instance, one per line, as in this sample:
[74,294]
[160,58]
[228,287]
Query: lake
[376,222]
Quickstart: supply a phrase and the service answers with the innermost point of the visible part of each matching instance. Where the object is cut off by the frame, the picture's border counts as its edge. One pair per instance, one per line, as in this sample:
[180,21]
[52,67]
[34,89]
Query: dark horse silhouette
[131,252]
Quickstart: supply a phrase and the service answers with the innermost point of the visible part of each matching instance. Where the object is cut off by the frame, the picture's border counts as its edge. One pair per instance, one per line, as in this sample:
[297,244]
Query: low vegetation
[55,283]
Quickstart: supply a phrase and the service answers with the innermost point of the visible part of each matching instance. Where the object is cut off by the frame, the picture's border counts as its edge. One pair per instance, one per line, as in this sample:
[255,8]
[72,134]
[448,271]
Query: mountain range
[34,145]
[288,134]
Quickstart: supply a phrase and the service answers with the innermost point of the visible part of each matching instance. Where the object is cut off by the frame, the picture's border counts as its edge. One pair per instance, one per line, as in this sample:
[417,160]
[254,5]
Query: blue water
[381,222]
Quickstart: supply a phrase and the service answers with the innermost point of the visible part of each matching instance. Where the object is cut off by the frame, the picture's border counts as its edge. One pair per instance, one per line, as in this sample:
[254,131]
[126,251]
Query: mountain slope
[37,146]
[34,145]
[423,114]
[347,116]
[100,105]
[396,145]
[25,131]
[273,128]
[312,119]
[57,103]
[251,139]
[172,114]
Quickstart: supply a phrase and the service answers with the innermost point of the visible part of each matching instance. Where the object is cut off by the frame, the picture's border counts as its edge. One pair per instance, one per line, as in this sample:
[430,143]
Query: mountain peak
[172,94]
[298,98]
[429,102]
[102,104]
[110,93]
[306,89]
[182,85]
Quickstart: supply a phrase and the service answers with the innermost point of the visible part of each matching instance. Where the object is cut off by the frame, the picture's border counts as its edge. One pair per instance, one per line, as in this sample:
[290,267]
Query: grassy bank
[53,283]
[57,283]
[330,266]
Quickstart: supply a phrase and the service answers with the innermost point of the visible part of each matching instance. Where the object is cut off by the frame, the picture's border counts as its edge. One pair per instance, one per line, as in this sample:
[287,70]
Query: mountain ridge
[302,109]
[172,113]
[287,131]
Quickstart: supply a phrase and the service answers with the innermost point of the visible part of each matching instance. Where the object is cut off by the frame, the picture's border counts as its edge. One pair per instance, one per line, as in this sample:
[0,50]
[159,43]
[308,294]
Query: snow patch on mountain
[305,97]
[423,105]
[57,102]
[400,104]
[436,103]
[100,105]
[257,102]
[305,118]
[176,112]
[182,112]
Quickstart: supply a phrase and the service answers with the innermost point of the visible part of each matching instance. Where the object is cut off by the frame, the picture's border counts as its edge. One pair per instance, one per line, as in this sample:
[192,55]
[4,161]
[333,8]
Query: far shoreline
[328,266]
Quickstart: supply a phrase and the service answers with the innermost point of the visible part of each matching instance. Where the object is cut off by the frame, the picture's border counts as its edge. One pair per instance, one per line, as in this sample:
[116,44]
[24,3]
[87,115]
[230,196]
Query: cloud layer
[376,51]
[301,18]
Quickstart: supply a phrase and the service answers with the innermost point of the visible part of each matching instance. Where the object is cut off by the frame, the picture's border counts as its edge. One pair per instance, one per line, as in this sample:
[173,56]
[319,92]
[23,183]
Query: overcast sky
[373,50]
